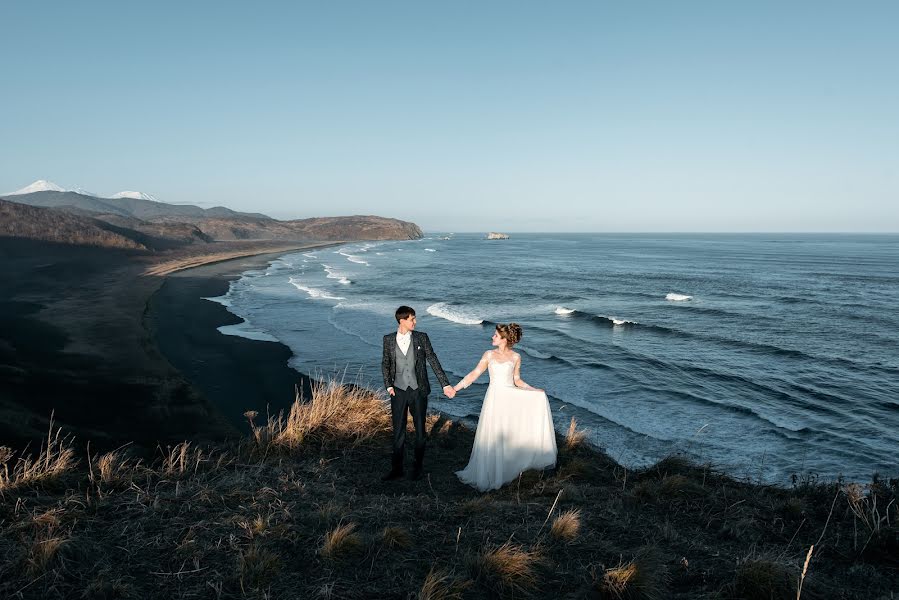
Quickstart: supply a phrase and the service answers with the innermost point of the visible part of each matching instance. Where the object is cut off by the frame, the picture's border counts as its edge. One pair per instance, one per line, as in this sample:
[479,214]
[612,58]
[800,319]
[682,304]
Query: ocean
[766,355]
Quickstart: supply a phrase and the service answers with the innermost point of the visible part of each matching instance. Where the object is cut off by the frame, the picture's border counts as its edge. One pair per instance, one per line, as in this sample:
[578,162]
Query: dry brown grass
[509,568]
[49,518]
[257,567]
[574,437]
[329,511]
[759,579]
[113,467]
[341,541]
[336,412]
[476,505]
[253,524]
[46,543]
[640,579]
[182,460]
[678,486]
[567,526]
[864,505]
[440,585]
[55,458]
[396,537]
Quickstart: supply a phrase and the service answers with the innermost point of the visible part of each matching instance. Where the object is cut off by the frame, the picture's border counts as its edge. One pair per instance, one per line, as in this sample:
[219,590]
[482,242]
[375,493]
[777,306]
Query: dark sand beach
[74,343]
[235,374]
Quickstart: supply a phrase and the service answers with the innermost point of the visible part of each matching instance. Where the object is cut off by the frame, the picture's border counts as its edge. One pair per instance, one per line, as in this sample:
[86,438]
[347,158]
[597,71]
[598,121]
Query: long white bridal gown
[515,432]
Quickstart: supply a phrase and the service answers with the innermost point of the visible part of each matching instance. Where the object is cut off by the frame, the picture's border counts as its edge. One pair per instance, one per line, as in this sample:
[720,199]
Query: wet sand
[235,374]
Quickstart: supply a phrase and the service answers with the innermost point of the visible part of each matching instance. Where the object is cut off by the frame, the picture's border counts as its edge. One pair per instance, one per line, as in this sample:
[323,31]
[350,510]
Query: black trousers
[402,403]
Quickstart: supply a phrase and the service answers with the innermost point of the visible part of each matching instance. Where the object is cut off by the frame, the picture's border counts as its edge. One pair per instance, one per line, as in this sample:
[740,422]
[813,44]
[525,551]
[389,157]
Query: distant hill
[30,222]
[126,206]
[159,226]
[358,227]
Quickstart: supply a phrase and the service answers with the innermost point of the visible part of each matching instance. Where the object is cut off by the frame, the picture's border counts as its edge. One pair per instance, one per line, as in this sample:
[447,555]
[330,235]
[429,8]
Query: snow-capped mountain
[41,185]
[135,196]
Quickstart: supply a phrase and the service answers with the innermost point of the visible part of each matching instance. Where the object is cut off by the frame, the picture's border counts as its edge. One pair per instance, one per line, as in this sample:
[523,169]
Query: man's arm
[435,364]
[385,365]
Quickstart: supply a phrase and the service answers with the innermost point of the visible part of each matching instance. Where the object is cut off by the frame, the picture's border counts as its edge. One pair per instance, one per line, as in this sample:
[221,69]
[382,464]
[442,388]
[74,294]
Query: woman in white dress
[515,430]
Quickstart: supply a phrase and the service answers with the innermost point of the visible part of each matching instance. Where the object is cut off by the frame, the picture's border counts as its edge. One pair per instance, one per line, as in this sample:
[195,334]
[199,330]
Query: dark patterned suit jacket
[421,345]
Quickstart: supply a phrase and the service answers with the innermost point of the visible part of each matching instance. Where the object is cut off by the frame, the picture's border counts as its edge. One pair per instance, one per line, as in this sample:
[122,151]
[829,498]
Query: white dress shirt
[403,340]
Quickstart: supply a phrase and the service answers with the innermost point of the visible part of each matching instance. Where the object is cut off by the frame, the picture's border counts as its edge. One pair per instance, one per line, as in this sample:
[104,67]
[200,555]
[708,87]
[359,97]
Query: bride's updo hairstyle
[511,333]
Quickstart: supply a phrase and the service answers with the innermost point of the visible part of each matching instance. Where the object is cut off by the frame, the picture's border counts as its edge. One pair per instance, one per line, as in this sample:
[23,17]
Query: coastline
[233,373]
[75,348]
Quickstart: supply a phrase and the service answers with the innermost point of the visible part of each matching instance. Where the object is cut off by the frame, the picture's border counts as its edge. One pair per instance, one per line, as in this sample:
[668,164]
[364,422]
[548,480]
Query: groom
[406,380]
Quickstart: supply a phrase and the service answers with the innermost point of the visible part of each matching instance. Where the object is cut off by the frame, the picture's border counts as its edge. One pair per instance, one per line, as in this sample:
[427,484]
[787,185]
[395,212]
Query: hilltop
[297,510]
[157,225]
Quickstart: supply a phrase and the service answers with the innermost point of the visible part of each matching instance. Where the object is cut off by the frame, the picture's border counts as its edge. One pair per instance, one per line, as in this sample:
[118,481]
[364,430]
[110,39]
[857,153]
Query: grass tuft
[46,544]
[678,486]
[567,526]
[182,460]
[440,585]
[759,579]
[341,541]
[640,579]
[396,537]
[335,413]
[55,458]
[113,468]
[257,567]
[508,569]
[574,438]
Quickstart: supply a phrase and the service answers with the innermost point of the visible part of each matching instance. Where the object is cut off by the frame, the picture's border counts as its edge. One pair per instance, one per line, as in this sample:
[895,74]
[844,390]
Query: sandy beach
[235,374]
[75,342]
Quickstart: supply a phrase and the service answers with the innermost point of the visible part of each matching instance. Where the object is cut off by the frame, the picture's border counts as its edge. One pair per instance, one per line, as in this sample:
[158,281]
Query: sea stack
[497,236]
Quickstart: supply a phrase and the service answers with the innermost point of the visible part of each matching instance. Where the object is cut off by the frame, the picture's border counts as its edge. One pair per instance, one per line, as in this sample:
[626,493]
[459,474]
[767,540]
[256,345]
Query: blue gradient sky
[518,116]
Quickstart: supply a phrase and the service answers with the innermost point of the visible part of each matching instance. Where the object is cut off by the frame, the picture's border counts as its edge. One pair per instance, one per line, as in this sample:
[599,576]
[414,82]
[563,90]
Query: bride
[515,430]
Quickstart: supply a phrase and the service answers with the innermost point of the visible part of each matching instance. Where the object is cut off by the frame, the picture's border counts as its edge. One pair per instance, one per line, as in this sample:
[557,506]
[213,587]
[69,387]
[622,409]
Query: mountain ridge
[157,226]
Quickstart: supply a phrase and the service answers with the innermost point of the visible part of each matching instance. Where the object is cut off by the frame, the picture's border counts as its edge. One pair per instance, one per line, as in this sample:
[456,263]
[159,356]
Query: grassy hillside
[170,225]
[297,510]
[51,225]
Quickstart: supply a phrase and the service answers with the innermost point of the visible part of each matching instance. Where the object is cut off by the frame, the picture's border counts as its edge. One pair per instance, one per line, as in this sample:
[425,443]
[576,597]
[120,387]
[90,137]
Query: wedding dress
[515,432]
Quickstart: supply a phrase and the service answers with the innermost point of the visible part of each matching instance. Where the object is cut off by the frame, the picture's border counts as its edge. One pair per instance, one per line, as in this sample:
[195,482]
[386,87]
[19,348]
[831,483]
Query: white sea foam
[309,255]
[246,330]
[617,321]
[430,250]
[314,292]
[223,300]
[561,310]
[352,258]
[452,313]
[677,297]
[335,274]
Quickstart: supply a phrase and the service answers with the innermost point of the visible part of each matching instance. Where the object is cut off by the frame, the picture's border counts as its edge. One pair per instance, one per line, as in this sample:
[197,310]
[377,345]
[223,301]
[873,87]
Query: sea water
[765,354]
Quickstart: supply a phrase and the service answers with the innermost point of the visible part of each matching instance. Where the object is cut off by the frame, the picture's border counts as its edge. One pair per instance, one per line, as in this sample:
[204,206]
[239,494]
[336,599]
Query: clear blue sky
[467,116]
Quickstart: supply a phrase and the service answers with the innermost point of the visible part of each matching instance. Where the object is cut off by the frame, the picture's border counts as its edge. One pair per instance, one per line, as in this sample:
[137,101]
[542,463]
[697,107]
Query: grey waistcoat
[405,368]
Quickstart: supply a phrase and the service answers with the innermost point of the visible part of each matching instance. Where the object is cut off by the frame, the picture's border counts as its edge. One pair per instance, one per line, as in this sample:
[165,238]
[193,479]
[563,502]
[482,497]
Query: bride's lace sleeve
[517,374]
[473,376]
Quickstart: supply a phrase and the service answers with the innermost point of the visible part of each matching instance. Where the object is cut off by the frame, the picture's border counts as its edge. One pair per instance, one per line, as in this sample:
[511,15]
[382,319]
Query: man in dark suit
[406,378]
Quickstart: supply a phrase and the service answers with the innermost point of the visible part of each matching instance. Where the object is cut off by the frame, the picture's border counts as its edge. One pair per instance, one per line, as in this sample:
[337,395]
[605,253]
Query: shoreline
[76,349]
[233,373]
